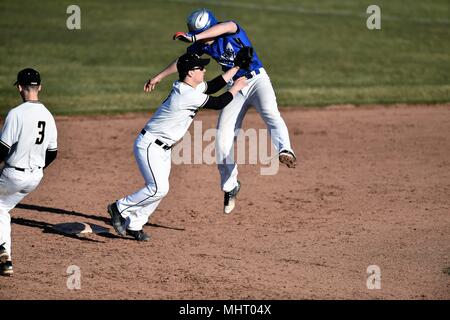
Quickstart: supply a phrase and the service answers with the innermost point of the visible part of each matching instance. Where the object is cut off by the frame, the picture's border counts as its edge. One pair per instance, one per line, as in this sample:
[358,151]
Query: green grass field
[316,52]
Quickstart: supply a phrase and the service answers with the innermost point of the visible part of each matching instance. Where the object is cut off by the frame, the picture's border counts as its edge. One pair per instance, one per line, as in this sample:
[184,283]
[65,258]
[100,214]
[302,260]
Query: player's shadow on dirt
[84,215]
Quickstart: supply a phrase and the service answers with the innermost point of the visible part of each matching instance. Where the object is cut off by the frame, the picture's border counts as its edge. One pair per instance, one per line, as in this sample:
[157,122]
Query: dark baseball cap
[28,77]
[189,61]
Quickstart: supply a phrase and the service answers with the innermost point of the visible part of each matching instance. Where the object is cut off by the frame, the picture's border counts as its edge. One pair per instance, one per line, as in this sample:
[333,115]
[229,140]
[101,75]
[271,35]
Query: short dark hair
[30,87]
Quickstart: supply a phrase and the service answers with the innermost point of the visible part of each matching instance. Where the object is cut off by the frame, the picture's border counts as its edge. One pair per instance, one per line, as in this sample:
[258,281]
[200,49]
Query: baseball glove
[183,36]
[244,58]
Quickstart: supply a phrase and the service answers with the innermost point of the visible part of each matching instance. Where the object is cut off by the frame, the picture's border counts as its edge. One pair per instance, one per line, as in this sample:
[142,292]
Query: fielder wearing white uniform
[152,148]
[28,144]
[222,41]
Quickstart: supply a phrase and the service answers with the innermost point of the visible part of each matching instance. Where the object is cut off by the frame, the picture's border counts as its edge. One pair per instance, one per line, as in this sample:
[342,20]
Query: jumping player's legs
[264,99]
[14,186]
[229,117]
[154,164]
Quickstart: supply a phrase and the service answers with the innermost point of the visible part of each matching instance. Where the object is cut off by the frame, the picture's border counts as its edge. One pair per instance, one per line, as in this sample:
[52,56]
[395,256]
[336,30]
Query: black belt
[162,145]
[19,169]
[158,142]
[249,75]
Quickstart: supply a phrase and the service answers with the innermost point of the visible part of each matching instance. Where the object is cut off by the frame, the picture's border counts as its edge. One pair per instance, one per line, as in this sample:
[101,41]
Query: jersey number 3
[40,139]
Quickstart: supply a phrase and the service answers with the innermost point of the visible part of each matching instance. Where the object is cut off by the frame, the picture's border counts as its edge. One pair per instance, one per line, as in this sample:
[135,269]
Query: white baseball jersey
[173,118]
[29,130]
[168,124]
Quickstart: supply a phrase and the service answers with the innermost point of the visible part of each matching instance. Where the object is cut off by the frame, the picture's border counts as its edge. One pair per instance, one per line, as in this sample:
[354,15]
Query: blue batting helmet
[200,20]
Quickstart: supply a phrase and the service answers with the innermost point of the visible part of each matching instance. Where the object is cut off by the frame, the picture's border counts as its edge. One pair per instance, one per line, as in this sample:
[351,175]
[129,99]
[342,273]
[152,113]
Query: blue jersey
[224,49]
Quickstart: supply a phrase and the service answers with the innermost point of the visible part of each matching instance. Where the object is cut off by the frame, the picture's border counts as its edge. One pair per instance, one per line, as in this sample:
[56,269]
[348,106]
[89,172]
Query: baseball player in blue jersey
[152,148]
[222,41]
[27,146]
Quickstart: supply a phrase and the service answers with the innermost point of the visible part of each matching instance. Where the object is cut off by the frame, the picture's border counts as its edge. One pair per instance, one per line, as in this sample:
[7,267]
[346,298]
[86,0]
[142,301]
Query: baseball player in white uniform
[152,148]
[222,41]
[28,144]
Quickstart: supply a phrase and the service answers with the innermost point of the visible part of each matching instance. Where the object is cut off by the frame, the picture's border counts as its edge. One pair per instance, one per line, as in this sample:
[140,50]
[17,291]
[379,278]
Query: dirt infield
[372,188]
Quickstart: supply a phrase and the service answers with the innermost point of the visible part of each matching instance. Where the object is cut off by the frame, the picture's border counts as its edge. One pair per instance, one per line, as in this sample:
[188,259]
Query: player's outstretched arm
[217,30]
[213,32]
[150,85]
[227,76]
[220,102]
[220,81]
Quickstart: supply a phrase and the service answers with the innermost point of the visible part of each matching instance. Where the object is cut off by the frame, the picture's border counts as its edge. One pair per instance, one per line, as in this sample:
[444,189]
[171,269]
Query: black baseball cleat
[4,256]
[6,268]
[138,235]
[288,158]
[117,221]
[229,199]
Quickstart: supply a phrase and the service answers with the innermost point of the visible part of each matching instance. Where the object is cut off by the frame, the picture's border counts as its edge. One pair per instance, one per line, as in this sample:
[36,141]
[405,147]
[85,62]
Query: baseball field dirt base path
[371,191]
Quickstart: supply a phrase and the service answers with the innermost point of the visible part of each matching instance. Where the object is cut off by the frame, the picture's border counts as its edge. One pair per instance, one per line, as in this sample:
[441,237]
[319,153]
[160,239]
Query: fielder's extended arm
[151,84]
[220,81]
[220,102]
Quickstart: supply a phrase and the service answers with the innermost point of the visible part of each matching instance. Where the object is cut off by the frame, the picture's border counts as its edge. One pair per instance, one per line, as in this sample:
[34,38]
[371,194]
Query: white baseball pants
[260,94]
[14,186]
[154,163]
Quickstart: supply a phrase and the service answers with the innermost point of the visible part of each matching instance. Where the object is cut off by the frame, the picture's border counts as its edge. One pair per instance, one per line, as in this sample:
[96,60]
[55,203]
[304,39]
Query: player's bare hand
[240,83]
[151,84]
